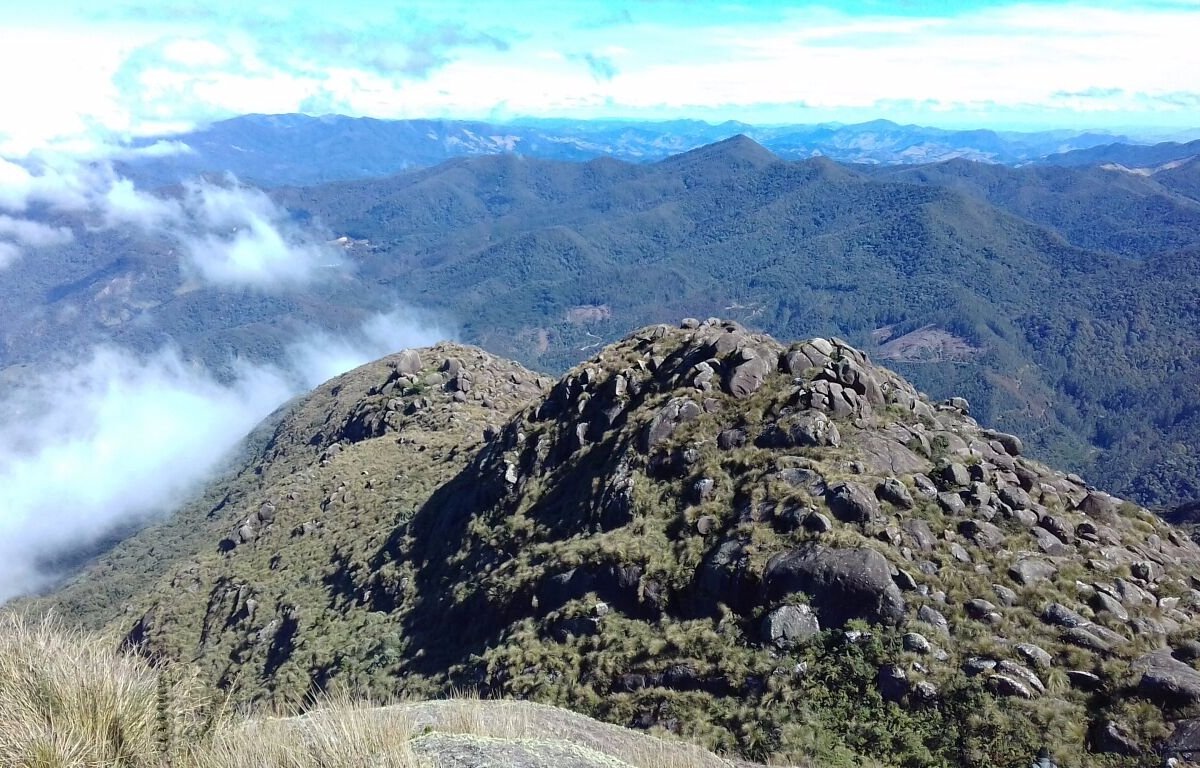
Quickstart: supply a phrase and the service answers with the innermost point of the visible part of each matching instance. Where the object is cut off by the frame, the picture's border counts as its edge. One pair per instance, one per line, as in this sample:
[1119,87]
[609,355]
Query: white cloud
[119,439]
[322,356]
[238,236]
[9,253]
[15,233]
[227,233]
[33,233]
[111,441]
[124,203]
[132,77]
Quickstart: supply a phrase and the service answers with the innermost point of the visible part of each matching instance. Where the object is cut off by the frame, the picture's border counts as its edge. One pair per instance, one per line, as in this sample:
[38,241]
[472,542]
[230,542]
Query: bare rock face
[1167,681]
[841,584]
[852,503]
[748,375]
[789,625]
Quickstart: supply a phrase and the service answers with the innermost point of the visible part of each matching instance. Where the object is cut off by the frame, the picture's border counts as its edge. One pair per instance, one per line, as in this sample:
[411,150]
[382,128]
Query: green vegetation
[573,545]
[69,700]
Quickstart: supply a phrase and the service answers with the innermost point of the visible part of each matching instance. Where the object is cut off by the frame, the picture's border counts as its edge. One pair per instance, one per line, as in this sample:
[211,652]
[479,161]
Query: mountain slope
[1107,209]
[548,259]
[1128,155]
[784,551]
[970,279]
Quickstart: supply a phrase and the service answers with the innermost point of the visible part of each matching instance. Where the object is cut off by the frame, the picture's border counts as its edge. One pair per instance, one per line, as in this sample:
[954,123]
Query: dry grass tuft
[70,700]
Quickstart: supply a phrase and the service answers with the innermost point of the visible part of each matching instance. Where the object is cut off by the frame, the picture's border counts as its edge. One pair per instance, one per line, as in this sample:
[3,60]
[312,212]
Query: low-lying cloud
[119,439]
[236,235]
[16,232]
[227,233]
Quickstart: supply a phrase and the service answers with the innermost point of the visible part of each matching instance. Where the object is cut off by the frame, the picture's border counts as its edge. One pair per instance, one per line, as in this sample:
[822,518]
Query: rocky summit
[783,551]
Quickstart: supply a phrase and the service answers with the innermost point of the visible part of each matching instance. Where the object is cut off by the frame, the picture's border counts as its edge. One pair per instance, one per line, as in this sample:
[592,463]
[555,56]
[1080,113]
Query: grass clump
[70,699]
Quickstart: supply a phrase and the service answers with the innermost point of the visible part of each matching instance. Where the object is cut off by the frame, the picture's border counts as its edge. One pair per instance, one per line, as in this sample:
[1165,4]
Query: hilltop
[783,551]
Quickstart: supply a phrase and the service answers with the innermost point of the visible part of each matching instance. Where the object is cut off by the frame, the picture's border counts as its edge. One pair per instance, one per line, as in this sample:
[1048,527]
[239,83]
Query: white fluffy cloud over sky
[91,72]
[116,439]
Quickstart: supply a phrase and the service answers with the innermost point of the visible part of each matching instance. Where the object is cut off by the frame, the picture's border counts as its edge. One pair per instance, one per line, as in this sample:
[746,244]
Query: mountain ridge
[696,516]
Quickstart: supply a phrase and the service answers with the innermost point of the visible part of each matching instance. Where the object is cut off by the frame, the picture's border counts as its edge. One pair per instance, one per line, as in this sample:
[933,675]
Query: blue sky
[94,72]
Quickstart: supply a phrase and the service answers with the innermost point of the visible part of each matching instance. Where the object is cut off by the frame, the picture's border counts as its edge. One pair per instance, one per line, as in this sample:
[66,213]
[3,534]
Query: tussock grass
[70,699]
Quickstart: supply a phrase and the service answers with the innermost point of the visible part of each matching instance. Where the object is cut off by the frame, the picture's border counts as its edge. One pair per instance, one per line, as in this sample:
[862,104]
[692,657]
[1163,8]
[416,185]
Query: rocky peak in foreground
[784,551]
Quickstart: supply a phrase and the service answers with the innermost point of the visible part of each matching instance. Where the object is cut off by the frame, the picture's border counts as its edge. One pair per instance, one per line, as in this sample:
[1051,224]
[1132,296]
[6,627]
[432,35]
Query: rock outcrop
[696,516]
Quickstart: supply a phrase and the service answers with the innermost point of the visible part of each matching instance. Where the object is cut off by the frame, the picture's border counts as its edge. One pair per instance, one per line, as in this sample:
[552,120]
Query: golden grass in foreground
[70,700]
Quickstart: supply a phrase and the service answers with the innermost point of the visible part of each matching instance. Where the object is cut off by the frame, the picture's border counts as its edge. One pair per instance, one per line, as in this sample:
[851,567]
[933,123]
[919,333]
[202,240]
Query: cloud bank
[227,233]
[236,235]
[119,439]
[16,232]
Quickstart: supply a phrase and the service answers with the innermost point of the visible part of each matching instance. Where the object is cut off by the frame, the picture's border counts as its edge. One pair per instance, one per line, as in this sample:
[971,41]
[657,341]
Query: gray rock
[916,643]
[852,503]
[1109,738]
[1083,680]
[958,553]
[954,475]
[1060,528]
[1004,685]
[1031,570]
[1101,602]
[747,378]
[925,486]
[1145,570]
[925,691]
[905,580]
[842,584]
[1033,654]
[1061,616]
[918,534]
[679,410]
[1015,497]
[815,522]
[893,492]
[728,439]
[1099,506]
[789,625]
[803,358]
[1167,681]
[805,428]
[977,665]
[978,608]
[951,503]
[985,535]
[1049,543]
[1011,443]
[980,494]
[1005,595]
[933,618]
[1017,672]
[1087,637]
[808,480]
[408,362]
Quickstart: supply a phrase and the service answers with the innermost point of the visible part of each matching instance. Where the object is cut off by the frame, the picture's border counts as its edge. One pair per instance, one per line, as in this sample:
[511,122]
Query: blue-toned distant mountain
[1132,156]
[277,150]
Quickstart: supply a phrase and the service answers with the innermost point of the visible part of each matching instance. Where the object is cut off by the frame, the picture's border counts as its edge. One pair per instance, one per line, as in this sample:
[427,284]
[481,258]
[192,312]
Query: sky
[81,74]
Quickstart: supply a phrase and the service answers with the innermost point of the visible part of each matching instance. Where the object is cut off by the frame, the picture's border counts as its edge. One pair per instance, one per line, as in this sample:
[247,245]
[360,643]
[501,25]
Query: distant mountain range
[274,150]
[1060,301]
